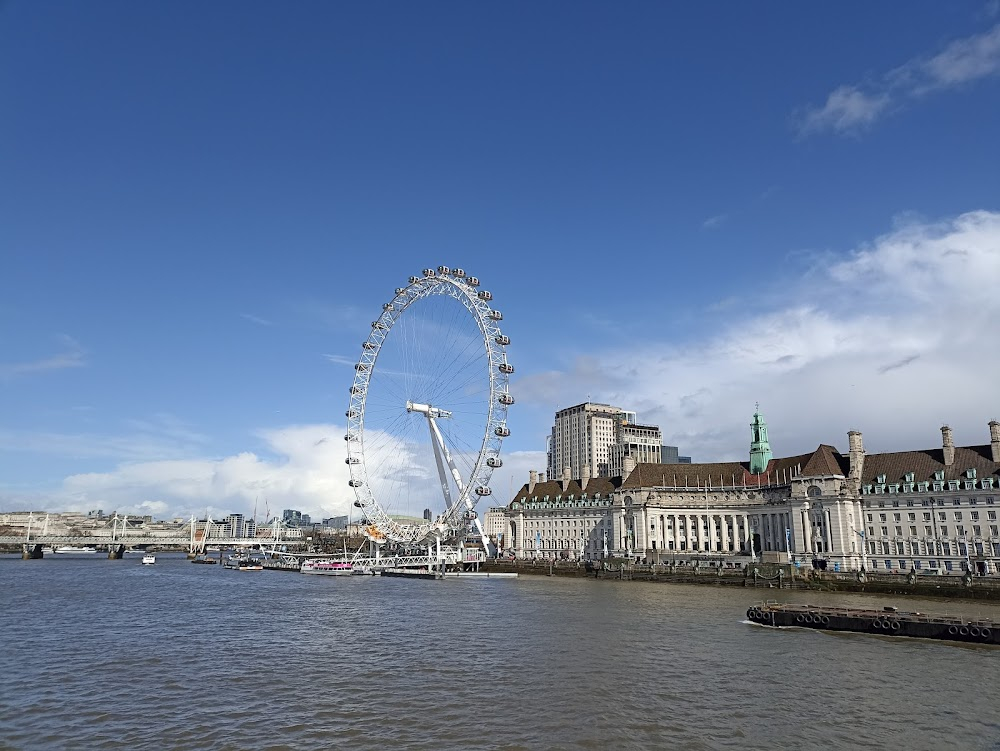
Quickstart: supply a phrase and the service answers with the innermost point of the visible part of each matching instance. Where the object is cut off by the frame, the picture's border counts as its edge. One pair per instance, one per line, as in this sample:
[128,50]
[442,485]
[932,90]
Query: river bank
[770,577]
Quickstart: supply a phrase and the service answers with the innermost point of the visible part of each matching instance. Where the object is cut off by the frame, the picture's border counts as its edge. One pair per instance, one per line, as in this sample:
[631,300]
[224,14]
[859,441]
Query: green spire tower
[760,449]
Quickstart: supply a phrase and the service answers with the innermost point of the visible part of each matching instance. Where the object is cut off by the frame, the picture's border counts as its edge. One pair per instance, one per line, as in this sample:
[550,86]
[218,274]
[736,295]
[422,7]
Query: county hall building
[929,510]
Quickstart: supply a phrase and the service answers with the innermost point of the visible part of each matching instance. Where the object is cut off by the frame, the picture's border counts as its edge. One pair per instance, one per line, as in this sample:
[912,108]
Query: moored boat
[244,564]
[148,559]
[75,549]
[327,568]
[889,621]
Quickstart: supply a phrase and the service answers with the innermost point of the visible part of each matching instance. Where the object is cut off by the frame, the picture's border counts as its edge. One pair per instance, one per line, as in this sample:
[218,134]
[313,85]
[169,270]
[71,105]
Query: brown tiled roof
[824,461]
[923,464]
[552,488]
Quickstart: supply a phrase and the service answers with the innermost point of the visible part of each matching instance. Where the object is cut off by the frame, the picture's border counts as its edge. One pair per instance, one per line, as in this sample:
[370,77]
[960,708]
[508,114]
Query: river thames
[102,654]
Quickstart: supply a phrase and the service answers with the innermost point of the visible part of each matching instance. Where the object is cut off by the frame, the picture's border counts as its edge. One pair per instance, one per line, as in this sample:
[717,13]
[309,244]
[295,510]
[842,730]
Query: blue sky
[680,208]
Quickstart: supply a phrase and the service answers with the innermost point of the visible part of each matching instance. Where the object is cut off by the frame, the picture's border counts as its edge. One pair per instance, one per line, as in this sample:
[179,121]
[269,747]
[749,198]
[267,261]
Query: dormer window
[987,482]
[868,489]
[939,474]
[952,484]
[908,486]
[909,477]
[922,487]
[938,486]
[971,473]
[893,488]
[970,484]
[880,479]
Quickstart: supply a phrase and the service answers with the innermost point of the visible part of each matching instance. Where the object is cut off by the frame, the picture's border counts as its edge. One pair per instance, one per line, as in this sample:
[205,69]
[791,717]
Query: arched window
[814,491]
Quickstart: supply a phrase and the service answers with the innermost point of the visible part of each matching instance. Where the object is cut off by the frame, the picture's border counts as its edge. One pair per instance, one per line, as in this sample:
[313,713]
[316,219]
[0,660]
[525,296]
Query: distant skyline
[680,209]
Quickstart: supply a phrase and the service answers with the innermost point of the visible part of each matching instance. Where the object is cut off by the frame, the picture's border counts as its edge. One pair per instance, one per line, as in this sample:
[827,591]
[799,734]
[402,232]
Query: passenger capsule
[496,315]
[503,431]
[494,461]
[506,399]
[483,490]
[378,324]
[428,273]
[444,270]
[352,460]
[505,368]
[414,279]
[368,345]
[387,306]
[355,483]
[351,437]
[460,273]
[361,366]
[355,389]
[485,295]
[472,281]
[351,414]
[502,340]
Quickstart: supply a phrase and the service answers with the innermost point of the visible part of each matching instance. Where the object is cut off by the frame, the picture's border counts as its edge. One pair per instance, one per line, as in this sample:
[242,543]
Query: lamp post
[864,548]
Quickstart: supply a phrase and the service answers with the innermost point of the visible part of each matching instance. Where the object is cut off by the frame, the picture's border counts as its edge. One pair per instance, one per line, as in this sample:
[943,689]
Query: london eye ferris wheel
[428,409]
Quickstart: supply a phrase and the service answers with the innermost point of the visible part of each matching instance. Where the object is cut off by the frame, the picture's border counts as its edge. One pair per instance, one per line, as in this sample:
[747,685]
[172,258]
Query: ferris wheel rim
[464,289]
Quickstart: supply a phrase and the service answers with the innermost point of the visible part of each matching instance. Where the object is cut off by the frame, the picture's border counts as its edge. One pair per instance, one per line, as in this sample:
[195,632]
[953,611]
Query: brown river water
[100,654]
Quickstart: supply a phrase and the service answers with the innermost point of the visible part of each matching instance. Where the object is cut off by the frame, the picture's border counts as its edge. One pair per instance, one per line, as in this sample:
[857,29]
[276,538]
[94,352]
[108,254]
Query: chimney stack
[856,455]
[948,445]
[541,477]
[628,464]
[532,480]
[585,477]
[995,439]
[567,476]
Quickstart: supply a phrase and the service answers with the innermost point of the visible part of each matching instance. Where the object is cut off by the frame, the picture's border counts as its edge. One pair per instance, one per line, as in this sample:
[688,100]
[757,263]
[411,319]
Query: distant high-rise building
[581,438]
[641,442]
[234,526]
[291,517]
[669,455]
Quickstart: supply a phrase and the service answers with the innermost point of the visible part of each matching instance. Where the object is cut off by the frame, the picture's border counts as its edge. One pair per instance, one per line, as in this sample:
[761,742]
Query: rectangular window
[944,531]
[916,564]
[927,516]
[947,548]
[881,517]
[958,516]
[885,531]
[977,530]
[913,531]
[991,515]
[927,532]
[993,530]
[957,502]
[974,515]
[899,531]
[895,517]
[888,564]
[911,517]
[902,563]
[941,516]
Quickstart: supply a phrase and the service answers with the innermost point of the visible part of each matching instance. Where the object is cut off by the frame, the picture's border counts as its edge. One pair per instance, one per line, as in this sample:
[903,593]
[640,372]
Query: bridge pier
[116,552]
[31,552]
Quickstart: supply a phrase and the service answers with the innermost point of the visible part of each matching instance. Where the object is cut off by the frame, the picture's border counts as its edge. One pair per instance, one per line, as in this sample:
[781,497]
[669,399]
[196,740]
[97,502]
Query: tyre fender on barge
[889,622]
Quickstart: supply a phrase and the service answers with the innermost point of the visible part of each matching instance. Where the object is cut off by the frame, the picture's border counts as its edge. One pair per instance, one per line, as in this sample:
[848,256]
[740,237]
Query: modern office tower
[581,439]
[641,442]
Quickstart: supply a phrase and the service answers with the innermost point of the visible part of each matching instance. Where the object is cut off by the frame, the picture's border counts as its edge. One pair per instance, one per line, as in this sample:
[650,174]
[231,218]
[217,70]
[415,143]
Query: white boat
[149,559]
[327,568]
[75,549]
[243,564]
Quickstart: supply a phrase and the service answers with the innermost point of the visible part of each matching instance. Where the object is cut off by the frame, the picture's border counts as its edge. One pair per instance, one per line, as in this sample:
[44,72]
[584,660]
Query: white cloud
[256,319]
[894,339]
[71,356]
[852,108]
[847,108]
[715,221]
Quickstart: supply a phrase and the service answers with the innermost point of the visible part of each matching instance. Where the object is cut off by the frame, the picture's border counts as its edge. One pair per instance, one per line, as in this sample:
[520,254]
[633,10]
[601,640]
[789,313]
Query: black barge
[889,622]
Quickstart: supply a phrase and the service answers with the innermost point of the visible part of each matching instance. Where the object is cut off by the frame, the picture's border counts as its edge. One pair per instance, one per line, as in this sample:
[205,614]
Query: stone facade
[930,510]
